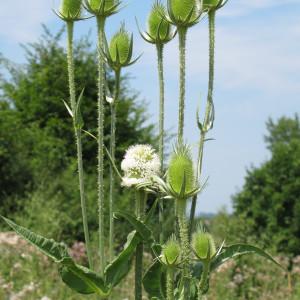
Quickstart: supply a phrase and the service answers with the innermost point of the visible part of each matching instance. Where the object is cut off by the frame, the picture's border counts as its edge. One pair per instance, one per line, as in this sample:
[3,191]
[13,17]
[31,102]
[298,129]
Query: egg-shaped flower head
[203,245]
[102,8]
[159,29]
[70,10]
[119,51]
[171,252]
[140,163]
[180,174]
[184,13]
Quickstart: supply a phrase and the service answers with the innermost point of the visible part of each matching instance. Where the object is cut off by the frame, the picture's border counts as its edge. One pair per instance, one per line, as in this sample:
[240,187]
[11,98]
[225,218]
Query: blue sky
[257,76]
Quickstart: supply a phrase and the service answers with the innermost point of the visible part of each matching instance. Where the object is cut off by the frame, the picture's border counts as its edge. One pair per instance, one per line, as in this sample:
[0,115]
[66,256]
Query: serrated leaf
[82,280]
[121,265]
[138,225]
[154,281]
[237,250]
[49,247]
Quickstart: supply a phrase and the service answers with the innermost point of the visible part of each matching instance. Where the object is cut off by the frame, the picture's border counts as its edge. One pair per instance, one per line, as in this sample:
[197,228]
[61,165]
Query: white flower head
[140,163]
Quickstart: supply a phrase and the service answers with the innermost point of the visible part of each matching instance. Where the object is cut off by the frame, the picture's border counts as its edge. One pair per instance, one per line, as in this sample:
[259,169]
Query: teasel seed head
[203,245]
[70,10]
[171,252]
[184,13]
[118,53]
[180,174]
[160,31]
[102,8]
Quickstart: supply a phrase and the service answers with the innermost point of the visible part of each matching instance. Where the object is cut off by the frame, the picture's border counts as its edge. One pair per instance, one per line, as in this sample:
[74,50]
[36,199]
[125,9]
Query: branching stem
[140,211]
[101,100]
[159,48]
[182,31]
[70,58]
[113,109]
[209,107]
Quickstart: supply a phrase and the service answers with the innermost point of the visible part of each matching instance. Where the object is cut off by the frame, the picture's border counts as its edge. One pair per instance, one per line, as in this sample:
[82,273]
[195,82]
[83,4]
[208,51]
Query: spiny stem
[182,31]
[203,280]
[185,245]
[70,58]
[140,211]
[101,99]
[211,17]
[113,109]
[159,48]
[170,283]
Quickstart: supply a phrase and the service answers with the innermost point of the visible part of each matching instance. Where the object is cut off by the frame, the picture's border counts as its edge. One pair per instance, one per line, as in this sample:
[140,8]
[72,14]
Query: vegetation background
[38,186]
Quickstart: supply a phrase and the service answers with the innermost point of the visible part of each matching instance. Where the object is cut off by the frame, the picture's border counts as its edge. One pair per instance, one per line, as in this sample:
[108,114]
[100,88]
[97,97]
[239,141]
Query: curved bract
[102,8]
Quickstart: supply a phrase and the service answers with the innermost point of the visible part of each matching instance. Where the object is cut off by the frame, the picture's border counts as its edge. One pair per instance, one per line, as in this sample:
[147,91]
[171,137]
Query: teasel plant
[159,33]
[118,55]
[101,9]
[186,259]
[210,7]
[70,12]
[183,14]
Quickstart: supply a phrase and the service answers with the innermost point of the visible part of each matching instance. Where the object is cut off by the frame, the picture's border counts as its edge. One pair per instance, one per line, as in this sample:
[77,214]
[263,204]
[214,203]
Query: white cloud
[20,20]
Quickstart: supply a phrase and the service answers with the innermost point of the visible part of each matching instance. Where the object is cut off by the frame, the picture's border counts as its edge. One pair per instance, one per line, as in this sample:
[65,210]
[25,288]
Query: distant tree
[270,199]
[36,134]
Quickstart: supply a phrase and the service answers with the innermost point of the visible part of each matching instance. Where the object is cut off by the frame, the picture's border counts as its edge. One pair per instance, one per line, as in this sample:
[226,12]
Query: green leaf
[78,116]
[52,249]
[139,226]
[237,250]
[154,281]
[82,279]
[121,265]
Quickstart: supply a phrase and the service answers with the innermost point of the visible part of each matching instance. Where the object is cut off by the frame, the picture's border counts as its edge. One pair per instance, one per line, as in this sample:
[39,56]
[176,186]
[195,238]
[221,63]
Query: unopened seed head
[203,244]
[96,4]
[171,252]
[182,8]
[70,8]
[181,170]
[158,26]
[120,46]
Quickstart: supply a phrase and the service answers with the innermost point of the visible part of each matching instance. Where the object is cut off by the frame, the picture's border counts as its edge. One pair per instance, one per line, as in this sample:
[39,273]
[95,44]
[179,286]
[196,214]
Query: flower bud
[184,12]
[70,9]
[102,8]
[203,245]
[140,163]
[96,4]
[120,48]
[159,29]
[180,175]
[171,252]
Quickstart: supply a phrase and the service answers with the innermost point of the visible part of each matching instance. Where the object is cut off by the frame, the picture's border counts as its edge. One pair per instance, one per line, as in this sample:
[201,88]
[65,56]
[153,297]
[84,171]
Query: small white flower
[140,163]
[109,100]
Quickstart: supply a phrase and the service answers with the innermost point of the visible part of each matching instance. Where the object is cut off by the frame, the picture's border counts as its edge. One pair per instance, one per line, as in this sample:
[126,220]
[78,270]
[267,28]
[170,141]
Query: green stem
[209,104]
[170,283]
[159,48]
[185,245]
[70,29]
[203,281]
[140,211]
[182,31]
[113,109]
[101,100]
